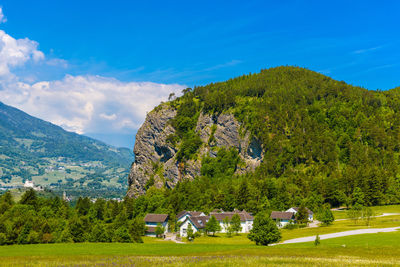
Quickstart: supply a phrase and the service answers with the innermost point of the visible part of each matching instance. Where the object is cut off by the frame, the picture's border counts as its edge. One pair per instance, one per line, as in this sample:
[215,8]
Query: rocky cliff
[155,158]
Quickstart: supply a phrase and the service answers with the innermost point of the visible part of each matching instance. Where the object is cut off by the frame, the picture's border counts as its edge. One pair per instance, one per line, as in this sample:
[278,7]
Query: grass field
[362,250]
[382,249]
[378,210]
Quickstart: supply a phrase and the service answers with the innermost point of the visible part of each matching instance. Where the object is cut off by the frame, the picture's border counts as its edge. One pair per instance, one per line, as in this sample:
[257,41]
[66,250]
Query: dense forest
[36,219]
[325,142]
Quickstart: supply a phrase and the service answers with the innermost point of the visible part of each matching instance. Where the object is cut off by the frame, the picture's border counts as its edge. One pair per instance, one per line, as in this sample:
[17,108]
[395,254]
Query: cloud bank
[83,103]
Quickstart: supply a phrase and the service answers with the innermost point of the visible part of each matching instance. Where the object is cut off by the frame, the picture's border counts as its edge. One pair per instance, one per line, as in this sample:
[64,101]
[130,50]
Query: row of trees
[39,220]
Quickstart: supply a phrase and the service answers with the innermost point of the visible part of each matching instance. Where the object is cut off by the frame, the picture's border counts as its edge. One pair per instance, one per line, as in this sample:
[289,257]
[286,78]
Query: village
[157,225]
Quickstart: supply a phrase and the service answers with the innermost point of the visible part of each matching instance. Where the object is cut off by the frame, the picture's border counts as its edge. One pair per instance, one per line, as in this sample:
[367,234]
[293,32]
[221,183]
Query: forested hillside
[31,148]
[323,141]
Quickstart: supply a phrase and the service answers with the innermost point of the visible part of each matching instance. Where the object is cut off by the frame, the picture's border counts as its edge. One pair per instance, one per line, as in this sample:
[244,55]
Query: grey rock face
[152,150]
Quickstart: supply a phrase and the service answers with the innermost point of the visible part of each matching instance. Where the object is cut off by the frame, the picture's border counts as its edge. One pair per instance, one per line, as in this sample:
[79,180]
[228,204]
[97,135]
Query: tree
[212,226]
[302,215]
[29,198]
[317,240]
[355,213]
[122,235]
[227,227]
[137,229]
[358,197]
[264,231]
[190,235]
[326,216]
[236,224]
[242,196]
[160,230]
[367,215]
[98,234]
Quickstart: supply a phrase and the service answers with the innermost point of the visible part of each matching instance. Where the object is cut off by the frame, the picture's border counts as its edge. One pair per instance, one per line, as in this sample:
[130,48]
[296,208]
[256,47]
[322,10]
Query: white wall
[183,228]
[246,226]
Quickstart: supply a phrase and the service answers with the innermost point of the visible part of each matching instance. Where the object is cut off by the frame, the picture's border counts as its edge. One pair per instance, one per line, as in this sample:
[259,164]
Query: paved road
[340,234]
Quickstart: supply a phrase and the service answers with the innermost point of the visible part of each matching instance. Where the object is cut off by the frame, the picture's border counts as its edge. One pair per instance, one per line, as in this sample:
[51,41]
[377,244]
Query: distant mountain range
[31,148]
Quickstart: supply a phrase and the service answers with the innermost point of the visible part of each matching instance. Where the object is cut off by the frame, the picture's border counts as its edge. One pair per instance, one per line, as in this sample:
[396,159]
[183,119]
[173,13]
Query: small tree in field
[190,235]
[264,230]
[160,230]
[235,224]
[212,226]
[317,240]
[326,216]
[228,227]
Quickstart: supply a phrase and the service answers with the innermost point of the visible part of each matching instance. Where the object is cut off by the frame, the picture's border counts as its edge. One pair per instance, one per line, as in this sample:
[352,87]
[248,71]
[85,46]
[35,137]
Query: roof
[244,215]
[158,218]
[297,209]
[181,214]
[195,213]
[199,221]
[282,215]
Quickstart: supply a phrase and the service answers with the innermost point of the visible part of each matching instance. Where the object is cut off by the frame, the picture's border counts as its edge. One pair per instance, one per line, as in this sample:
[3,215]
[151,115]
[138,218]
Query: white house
[296,209]
[152,220]
[29,184]
[282,218]
[246,220]
[183,215]
[198,223]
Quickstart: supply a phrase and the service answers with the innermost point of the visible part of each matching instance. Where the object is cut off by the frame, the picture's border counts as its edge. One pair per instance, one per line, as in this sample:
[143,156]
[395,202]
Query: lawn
[382,249]
[378,210]
[361,250]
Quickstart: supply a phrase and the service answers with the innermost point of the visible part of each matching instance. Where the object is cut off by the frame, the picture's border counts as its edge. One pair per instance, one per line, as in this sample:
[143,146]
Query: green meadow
[382,249]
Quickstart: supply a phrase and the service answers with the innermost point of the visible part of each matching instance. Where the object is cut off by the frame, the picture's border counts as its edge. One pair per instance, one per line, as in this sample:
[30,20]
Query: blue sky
[174,44]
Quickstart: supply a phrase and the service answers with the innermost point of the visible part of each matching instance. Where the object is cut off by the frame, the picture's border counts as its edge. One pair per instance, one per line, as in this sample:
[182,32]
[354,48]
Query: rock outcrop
[155,158]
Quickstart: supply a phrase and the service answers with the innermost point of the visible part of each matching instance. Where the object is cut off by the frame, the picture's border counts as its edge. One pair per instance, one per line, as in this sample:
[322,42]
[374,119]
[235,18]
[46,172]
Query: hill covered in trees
[306,137]
[31,148]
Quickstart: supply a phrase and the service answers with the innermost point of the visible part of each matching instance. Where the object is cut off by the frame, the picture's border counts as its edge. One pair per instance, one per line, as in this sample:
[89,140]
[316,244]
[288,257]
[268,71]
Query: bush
[3,239]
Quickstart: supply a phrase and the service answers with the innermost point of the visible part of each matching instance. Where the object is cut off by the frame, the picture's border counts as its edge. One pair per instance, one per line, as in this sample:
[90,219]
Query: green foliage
[235,224]
[160,230]
[302,215]
[264,231]
[212,226]
[190,235]
[317,240]
[325,216]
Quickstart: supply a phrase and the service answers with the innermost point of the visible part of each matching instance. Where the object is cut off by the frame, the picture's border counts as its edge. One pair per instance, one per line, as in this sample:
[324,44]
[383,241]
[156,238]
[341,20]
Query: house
[198,224]
[181,216]
[29,184]
[296,209]
[246,220]
[282,218]
[152,220]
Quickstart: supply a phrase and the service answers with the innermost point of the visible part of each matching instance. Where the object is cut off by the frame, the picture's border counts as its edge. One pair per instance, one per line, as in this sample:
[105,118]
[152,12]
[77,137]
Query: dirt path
[340,234]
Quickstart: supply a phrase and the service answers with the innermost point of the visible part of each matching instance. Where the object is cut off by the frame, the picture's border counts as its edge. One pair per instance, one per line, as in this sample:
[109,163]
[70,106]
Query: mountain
[31,148]
[281,137]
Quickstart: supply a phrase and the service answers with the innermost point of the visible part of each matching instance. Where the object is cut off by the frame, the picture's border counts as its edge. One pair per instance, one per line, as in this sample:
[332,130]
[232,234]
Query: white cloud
[83,103]
[89,104]
[15,53]
[2,17]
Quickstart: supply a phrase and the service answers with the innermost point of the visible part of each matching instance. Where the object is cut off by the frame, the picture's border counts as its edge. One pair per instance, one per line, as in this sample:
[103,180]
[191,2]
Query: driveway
[340,234]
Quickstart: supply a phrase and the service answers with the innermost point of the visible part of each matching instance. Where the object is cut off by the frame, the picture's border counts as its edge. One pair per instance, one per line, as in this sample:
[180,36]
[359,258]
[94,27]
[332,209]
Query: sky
[97,67]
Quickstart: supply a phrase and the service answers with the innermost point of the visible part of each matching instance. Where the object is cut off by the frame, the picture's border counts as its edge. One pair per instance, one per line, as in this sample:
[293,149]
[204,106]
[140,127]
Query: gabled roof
[157,218]
[244,216]
[199,221]
[191,213]
[297,210]
[282,215]
[181,214]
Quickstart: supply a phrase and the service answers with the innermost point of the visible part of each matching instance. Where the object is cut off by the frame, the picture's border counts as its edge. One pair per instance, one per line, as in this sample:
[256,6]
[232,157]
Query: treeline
[322,140]
[39,220]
